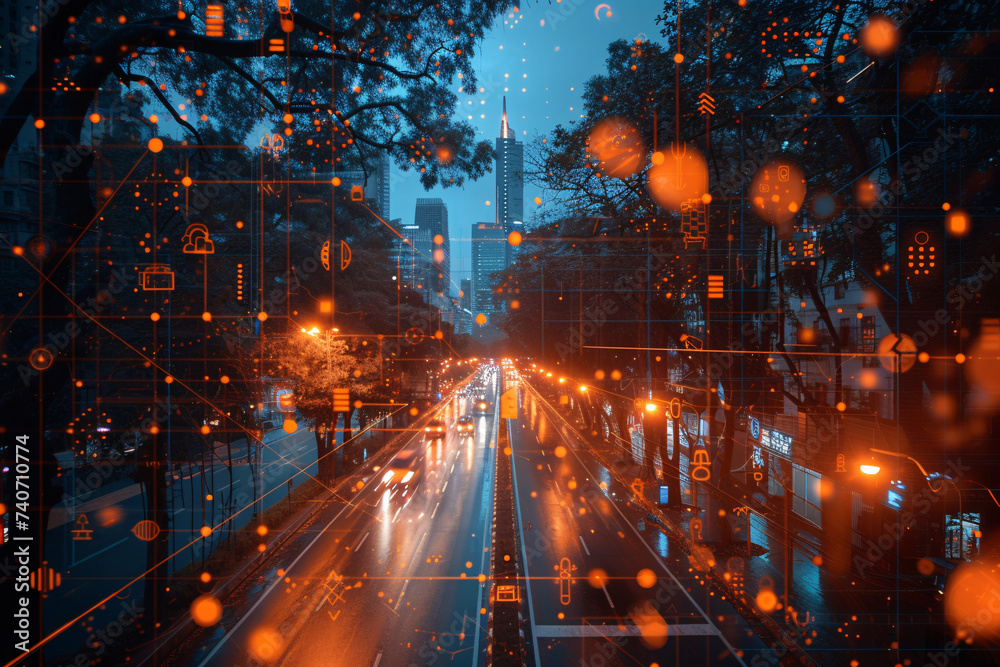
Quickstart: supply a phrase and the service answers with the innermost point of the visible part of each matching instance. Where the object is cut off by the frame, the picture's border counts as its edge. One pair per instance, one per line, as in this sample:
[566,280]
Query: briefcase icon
[156,277]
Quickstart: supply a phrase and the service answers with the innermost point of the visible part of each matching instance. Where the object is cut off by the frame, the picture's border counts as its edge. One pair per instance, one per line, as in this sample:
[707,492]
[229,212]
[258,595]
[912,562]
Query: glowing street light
[870,469]
[650,407]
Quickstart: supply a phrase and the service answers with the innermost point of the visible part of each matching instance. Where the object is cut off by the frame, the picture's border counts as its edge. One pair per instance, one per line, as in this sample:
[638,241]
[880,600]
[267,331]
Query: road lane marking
[435,509]
[585,548]
[445,486]
[549,467]
[662,564]
[527,576]
[333,617]
[401,594]
[397,514]
[608,596]
[628,630]
[361,542]
[378,659]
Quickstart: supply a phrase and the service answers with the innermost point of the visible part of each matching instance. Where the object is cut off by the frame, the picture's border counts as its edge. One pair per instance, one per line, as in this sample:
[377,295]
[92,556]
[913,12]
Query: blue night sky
[539,57]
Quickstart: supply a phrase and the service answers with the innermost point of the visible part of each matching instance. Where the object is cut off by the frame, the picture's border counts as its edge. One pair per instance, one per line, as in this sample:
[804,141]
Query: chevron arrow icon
[706,104]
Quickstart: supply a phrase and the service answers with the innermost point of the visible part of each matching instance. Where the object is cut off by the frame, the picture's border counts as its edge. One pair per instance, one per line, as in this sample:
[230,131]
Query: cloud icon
[196,241]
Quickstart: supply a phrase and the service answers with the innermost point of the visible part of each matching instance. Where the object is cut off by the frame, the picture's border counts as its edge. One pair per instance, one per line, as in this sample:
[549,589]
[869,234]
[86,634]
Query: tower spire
[503,123]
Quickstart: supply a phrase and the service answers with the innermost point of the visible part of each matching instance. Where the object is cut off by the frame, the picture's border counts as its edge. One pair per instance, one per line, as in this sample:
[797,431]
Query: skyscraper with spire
[510,180]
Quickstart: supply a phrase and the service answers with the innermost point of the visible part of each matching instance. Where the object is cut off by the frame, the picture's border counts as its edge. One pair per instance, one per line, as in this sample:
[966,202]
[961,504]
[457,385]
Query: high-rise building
[465,298]
[431,215]
[489,254]
[374,179]
[510,181]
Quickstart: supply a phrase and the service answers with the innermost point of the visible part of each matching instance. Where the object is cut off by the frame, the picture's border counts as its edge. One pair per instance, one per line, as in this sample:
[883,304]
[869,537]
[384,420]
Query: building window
[846,344]
[839,290]
[806,501]
[868,334]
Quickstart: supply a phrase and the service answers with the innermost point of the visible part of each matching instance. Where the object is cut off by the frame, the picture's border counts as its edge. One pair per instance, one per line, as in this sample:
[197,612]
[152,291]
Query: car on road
[403,469]
[465,424]
[434,430]
[481,405]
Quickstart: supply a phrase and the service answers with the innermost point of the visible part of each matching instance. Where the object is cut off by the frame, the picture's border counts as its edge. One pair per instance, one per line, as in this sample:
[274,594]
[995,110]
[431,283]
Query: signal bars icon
[214,21]
[714,286]
[44,579]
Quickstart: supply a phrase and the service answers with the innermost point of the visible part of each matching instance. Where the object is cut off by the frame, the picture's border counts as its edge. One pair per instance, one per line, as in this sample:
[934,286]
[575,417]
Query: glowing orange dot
[155,317]
[95,118]
[169,379]
[288,118]
[205,577]
[205,430]
[960,358]
[678,58]
[155,145]
[261,316]
[841,59]
[560,452]
[767,601]
[946,206]
[206,531]
[514,238]
[480,319]
[206,610]
[39,123]
[262,530]
[224,379]
[207,316]
[841,406]
[840,99]
[924,357]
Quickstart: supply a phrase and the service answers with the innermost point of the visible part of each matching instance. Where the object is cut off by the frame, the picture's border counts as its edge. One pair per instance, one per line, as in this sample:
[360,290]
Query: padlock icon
[783,173]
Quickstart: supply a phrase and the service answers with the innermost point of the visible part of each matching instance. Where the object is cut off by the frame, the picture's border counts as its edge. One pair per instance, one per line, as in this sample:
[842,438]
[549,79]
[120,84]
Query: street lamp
[930,478]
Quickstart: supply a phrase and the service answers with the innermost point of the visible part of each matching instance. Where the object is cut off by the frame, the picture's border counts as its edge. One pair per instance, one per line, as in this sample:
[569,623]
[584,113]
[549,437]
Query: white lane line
[417,550]
[605,589]
[445,486]
[397,514]
[585,546]
[664,566]
[378,659]
[452,469]
[361,542]
[485,551]
[277,584]
[524,550]
[401,594]
[628,630]
[549,467]
[435,509]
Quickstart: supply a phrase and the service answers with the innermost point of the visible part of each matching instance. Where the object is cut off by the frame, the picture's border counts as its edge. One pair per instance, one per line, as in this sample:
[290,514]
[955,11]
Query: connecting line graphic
[71,245]
[180,550]
[206,401]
